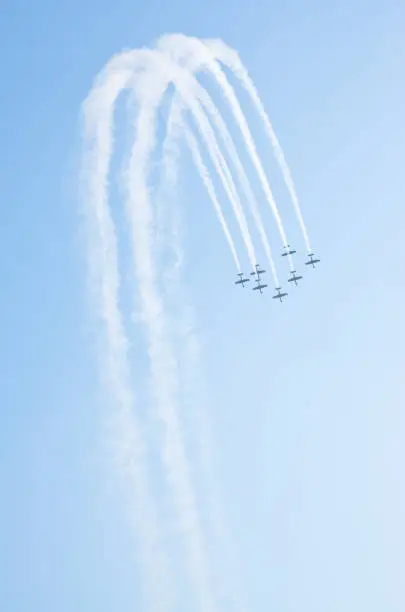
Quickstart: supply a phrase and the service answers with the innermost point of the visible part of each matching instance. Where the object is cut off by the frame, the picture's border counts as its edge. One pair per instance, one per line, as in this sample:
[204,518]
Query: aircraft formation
[294,277]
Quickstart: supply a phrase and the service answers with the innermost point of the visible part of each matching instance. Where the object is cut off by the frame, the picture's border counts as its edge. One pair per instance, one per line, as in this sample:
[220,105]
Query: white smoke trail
[129,444]
[230,58]
[219,162]
[207,102]
[163,360]
[196,404]
[232,151]
[138,165]
[178,44]
[187,87]
[152,310]
[205,176]
[159,350]
[190,91]
[149,72]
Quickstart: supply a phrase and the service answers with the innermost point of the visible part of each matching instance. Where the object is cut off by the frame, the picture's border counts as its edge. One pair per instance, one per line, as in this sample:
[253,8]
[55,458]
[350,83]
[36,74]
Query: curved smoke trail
[195,407]
[129,444]
[179,45]
[207,102]
[174,355]
[203,171]
[230,58]
[162,359]
[163,364]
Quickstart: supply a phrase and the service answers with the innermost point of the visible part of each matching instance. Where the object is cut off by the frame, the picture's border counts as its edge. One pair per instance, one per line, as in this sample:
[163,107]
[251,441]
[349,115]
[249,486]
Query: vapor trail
[219,162]
[172,174]
[148,73]
[185,85]
[163,363]
[202,169]
[178,44]
[188,88]
[176,127]
[207,102]
[196,404]
[128,442]
[164,375]
[230,58]
[161,358]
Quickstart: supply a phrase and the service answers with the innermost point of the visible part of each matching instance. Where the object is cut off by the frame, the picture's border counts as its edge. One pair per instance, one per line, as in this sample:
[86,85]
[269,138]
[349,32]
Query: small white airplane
[294,278]
[279,295]
[311,260]
[259,286]
[257,271]
[290,251]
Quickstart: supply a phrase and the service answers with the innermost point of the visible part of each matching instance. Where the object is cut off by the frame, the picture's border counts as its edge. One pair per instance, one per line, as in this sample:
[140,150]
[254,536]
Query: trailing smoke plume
[172,345]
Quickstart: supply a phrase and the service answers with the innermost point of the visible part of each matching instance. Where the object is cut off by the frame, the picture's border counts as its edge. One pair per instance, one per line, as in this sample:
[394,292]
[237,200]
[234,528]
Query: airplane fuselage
[279,295]
[290,251]
[294,279]
[257,273]
[241,280]
[311,261]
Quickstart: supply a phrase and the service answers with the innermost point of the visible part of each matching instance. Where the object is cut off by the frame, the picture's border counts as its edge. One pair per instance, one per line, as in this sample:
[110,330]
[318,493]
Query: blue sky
[307,396]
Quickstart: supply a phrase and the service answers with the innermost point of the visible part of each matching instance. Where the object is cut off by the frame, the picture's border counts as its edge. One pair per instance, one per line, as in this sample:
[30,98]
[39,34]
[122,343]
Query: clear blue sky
[308,395]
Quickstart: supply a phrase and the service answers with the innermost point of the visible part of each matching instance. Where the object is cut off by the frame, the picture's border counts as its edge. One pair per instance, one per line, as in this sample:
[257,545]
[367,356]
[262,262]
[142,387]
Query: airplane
[311,260]
[257,271]
[242,280]
[289,252]
[259,286]
[279,295]
[294,278]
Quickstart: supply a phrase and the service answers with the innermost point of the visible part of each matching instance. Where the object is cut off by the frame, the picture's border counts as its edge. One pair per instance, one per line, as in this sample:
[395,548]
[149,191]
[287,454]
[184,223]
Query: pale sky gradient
[308,395]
